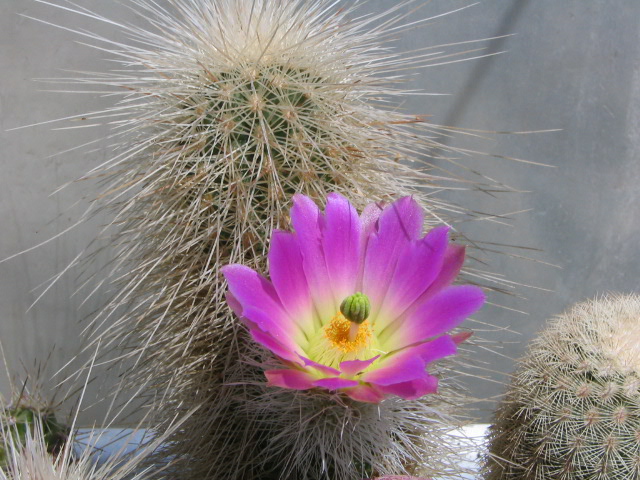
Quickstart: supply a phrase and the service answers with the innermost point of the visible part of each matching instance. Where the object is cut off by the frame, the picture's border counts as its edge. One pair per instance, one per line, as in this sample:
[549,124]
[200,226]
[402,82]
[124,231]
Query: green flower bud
[356,308]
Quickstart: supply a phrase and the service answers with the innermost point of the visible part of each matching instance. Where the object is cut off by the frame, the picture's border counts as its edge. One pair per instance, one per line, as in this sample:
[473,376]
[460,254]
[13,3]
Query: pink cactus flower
[357,304]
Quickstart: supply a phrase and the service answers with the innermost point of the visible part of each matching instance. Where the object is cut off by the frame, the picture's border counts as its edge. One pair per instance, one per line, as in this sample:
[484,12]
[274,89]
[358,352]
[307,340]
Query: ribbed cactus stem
[266,121]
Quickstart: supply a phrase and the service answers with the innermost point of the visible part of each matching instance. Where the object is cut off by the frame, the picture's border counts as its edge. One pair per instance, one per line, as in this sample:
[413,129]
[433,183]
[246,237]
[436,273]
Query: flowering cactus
[230,107]
[367,345]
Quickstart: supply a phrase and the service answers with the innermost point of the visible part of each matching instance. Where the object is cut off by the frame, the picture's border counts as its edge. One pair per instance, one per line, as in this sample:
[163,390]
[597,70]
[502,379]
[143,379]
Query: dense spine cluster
[572,411]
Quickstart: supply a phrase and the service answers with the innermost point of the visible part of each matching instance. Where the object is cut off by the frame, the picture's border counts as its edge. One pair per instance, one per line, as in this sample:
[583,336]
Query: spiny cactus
[30,452]
[229,108]
[22,420]
[572,411]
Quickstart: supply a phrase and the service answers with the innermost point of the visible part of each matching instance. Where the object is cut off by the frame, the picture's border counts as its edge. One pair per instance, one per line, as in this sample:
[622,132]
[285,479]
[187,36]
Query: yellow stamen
[343,336]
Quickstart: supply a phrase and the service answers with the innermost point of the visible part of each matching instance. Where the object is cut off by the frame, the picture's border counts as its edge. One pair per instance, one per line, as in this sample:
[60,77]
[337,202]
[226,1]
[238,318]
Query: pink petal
[404,214]
[413,389]
[293,379]
[287,275]
[234,304]
[258,318]
[273,345]
[451,265]
[353,367]
[335,383]
[364,393]
[461,337]
[437,315]
[410,363]
[399,224]
[252,290]
[405,367]
[436,349]
[308,223]
[318,366]
[417,268]
[260,304]
[341,245]
[369,219]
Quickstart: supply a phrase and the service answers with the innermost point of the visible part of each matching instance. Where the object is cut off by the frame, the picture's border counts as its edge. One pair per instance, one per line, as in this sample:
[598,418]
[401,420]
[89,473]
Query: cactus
[229,108]
[573,409]
[36,447]
[22,420]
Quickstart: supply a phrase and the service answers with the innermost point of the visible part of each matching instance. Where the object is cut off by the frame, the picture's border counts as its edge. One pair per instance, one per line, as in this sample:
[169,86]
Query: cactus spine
[572,411]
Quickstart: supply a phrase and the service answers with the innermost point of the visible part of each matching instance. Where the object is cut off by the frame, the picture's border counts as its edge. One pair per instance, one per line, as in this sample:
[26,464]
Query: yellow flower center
[347,336]
[340,340]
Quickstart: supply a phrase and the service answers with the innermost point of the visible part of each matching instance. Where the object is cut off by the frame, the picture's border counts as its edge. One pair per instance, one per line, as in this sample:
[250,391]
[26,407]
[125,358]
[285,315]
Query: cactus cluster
[572,411]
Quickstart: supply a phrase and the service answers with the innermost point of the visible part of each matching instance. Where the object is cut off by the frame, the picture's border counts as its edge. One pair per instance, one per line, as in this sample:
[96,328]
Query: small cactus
[573,408]
[19,422]
[34,446]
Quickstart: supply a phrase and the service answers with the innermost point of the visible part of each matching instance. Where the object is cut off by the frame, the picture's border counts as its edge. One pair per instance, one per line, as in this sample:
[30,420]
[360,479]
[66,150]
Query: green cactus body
[22,421]
[255,135]
[573,408]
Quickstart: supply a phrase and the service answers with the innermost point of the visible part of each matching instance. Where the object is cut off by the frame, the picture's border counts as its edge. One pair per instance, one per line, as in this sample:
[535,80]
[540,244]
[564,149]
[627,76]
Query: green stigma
[356,308]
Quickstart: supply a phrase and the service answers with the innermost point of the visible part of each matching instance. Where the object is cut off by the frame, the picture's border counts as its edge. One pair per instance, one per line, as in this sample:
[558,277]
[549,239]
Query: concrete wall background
[571,65]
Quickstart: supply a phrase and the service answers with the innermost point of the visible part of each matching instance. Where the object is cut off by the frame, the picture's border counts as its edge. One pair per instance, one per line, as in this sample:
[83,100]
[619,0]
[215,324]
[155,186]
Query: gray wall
[572,65]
